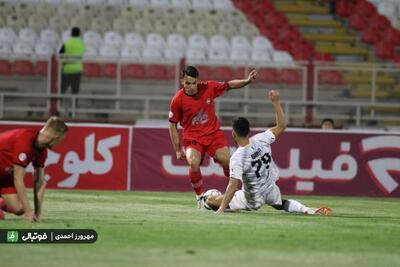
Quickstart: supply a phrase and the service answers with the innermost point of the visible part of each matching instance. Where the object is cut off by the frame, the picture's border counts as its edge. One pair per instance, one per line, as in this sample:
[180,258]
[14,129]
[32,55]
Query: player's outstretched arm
[236,84]
[280,116]
[38,190]
[230,191]
[19,173]
[174,135]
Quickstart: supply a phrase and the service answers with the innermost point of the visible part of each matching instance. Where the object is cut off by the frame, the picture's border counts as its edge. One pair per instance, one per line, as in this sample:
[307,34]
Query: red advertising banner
[91,156]
[311,162]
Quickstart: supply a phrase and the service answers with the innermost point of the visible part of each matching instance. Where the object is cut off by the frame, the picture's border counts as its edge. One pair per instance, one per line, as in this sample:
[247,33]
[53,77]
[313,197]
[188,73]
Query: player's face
[190,85]
[49,139]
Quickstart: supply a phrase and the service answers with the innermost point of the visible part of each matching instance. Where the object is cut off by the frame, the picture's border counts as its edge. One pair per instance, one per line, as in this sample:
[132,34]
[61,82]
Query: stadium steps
[301,7]
[342,49]
[314,22]
[328,34]
[331,38]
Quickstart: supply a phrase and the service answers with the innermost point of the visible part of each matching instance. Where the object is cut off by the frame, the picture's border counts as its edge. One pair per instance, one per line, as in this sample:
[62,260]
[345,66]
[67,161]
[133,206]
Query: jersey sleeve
[22,149]
[236,167]
[175,110]
[219,88]
[266,137]
[41,159]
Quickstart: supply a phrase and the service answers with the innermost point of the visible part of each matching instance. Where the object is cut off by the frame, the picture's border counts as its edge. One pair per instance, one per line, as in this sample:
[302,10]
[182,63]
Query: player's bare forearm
[39,188]
[236,84]
[174,135]
[280,116]
[19,173]
[230,191]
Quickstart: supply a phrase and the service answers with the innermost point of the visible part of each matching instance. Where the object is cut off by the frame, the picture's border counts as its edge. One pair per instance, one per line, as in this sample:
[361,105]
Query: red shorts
[209,143]
[7,185]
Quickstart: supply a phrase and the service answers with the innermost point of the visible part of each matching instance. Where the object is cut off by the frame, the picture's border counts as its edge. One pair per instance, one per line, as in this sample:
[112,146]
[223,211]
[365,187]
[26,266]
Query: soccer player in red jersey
[193,107]
[18,148]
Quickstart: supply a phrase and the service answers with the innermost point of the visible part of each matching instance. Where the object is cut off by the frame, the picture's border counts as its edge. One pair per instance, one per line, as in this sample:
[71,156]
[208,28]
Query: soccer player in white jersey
[252,164]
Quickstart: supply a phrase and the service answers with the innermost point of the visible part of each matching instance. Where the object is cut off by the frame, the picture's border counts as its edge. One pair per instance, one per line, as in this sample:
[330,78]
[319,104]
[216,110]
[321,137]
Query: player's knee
[194,165]
[18,211]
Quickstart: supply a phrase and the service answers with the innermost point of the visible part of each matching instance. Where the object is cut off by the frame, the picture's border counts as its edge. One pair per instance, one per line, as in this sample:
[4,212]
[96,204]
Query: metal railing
[356,110]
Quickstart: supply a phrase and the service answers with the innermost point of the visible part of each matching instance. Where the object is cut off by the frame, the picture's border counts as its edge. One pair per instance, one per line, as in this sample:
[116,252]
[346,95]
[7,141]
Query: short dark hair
[328,120]
[190,71]
[241,126]
[75,32]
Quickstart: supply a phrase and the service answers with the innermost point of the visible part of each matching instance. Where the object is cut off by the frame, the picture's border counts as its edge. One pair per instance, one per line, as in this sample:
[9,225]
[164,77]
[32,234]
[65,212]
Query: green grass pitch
[166,229]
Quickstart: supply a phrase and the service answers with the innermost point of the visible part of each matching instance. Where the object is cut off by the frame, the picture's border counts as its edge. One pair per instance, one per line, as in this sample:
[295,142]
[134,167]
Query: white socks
[295,206]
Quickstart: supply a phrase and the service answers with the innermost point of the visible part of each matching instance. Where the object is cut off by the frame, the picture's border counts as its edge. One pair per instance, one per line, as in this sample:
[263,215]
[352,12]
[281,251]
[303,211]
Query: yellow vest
[73,48]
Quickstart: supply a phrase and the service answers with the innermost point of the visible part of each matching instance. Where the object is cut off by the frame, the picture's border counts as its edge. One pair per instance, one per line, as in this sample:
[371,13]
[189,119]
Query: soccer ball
[212,193]
[209,193]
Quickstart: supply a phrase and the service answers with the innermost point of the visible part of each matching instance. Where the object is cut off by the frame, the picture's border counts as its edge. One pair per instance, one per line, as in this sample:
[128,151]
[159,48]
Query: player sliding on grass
[193,107]
[18,148]
[252,164]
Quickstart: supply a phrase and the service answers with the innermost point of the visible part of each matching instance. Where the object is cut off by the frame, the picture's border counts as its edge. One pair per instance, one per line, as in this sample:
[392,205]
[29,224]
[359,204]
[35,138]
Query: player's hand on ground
[180,155]
[29,216]
[274,95]
[219,212]
[252,76]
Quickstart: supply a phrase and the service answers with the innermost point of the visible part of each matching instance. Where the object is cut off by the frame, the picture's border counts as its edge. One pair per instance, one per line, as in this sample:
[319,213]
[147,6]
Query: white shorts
[239,201]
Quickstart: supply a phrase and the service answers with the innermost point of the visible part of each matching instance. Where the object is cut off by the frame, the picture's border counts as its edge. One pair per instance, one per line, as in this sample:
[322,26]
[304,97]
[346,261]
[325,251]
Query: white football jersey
[254,166]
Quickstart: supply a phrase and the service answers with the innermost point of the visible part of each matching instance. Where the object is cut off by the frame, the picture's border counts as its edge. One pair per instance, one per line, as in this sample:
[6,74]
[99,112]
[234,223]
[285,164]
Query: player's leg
[193,157]
[218,149]
[274,199]
[11,203]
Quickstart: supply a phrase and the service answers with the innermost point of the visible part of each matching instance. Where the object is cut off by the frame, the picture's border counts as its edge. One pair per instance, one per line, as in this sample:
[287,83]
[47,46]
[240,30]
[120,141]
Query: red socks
[197,181]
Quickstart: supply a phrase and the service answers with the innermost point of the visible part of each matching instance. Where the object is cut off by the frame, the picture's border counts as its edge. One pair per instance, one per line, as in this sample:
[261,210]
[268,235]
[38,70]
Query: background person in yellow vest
[72,49]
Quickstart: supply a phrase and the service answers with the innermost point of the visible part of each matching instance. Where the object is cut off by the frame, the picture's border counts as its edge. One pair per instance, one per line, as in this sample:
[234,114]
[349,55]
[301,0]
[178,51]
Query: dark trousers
[73,80]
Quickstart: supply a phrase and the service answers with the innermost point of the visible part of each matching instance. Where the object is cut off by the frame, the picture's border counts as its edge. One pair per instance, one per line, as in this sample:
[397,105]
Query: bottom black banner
[18,236]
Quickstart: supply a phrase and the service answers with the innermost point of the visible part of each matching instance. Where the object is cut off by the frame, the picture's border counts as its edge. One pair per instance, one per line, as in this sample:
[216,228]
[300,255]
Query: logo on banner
[379,168]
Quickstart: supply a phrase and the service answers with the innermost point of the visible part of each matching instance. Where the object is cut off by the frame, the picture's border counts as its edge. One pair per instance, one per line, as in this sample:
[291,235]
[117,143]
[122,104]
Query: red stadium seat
[384,50]
[170,72]
[323,57]
[222,74]
[330,77]
[23,67]
[110,70]
[380,22]
[344,8]
[5,67]
[157,72]
[281,45]
[266,75]
[358,22]
[133,71]
[92,70]
[392,36]
[290,76]
[41,68]
[371,35]
[365,8]
[240,73]
[204,73]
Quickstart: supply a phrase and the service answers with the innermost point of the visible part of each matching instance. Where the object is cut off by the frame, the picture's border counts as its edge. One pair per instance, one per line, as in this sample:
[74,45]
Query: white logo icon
[22,157]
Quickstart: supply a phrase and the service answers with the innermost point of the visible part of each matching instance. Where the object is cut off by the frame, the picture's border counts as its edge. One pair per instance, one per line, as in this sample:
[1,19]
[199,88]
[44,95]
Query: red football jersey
[196,113]
[17,147]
